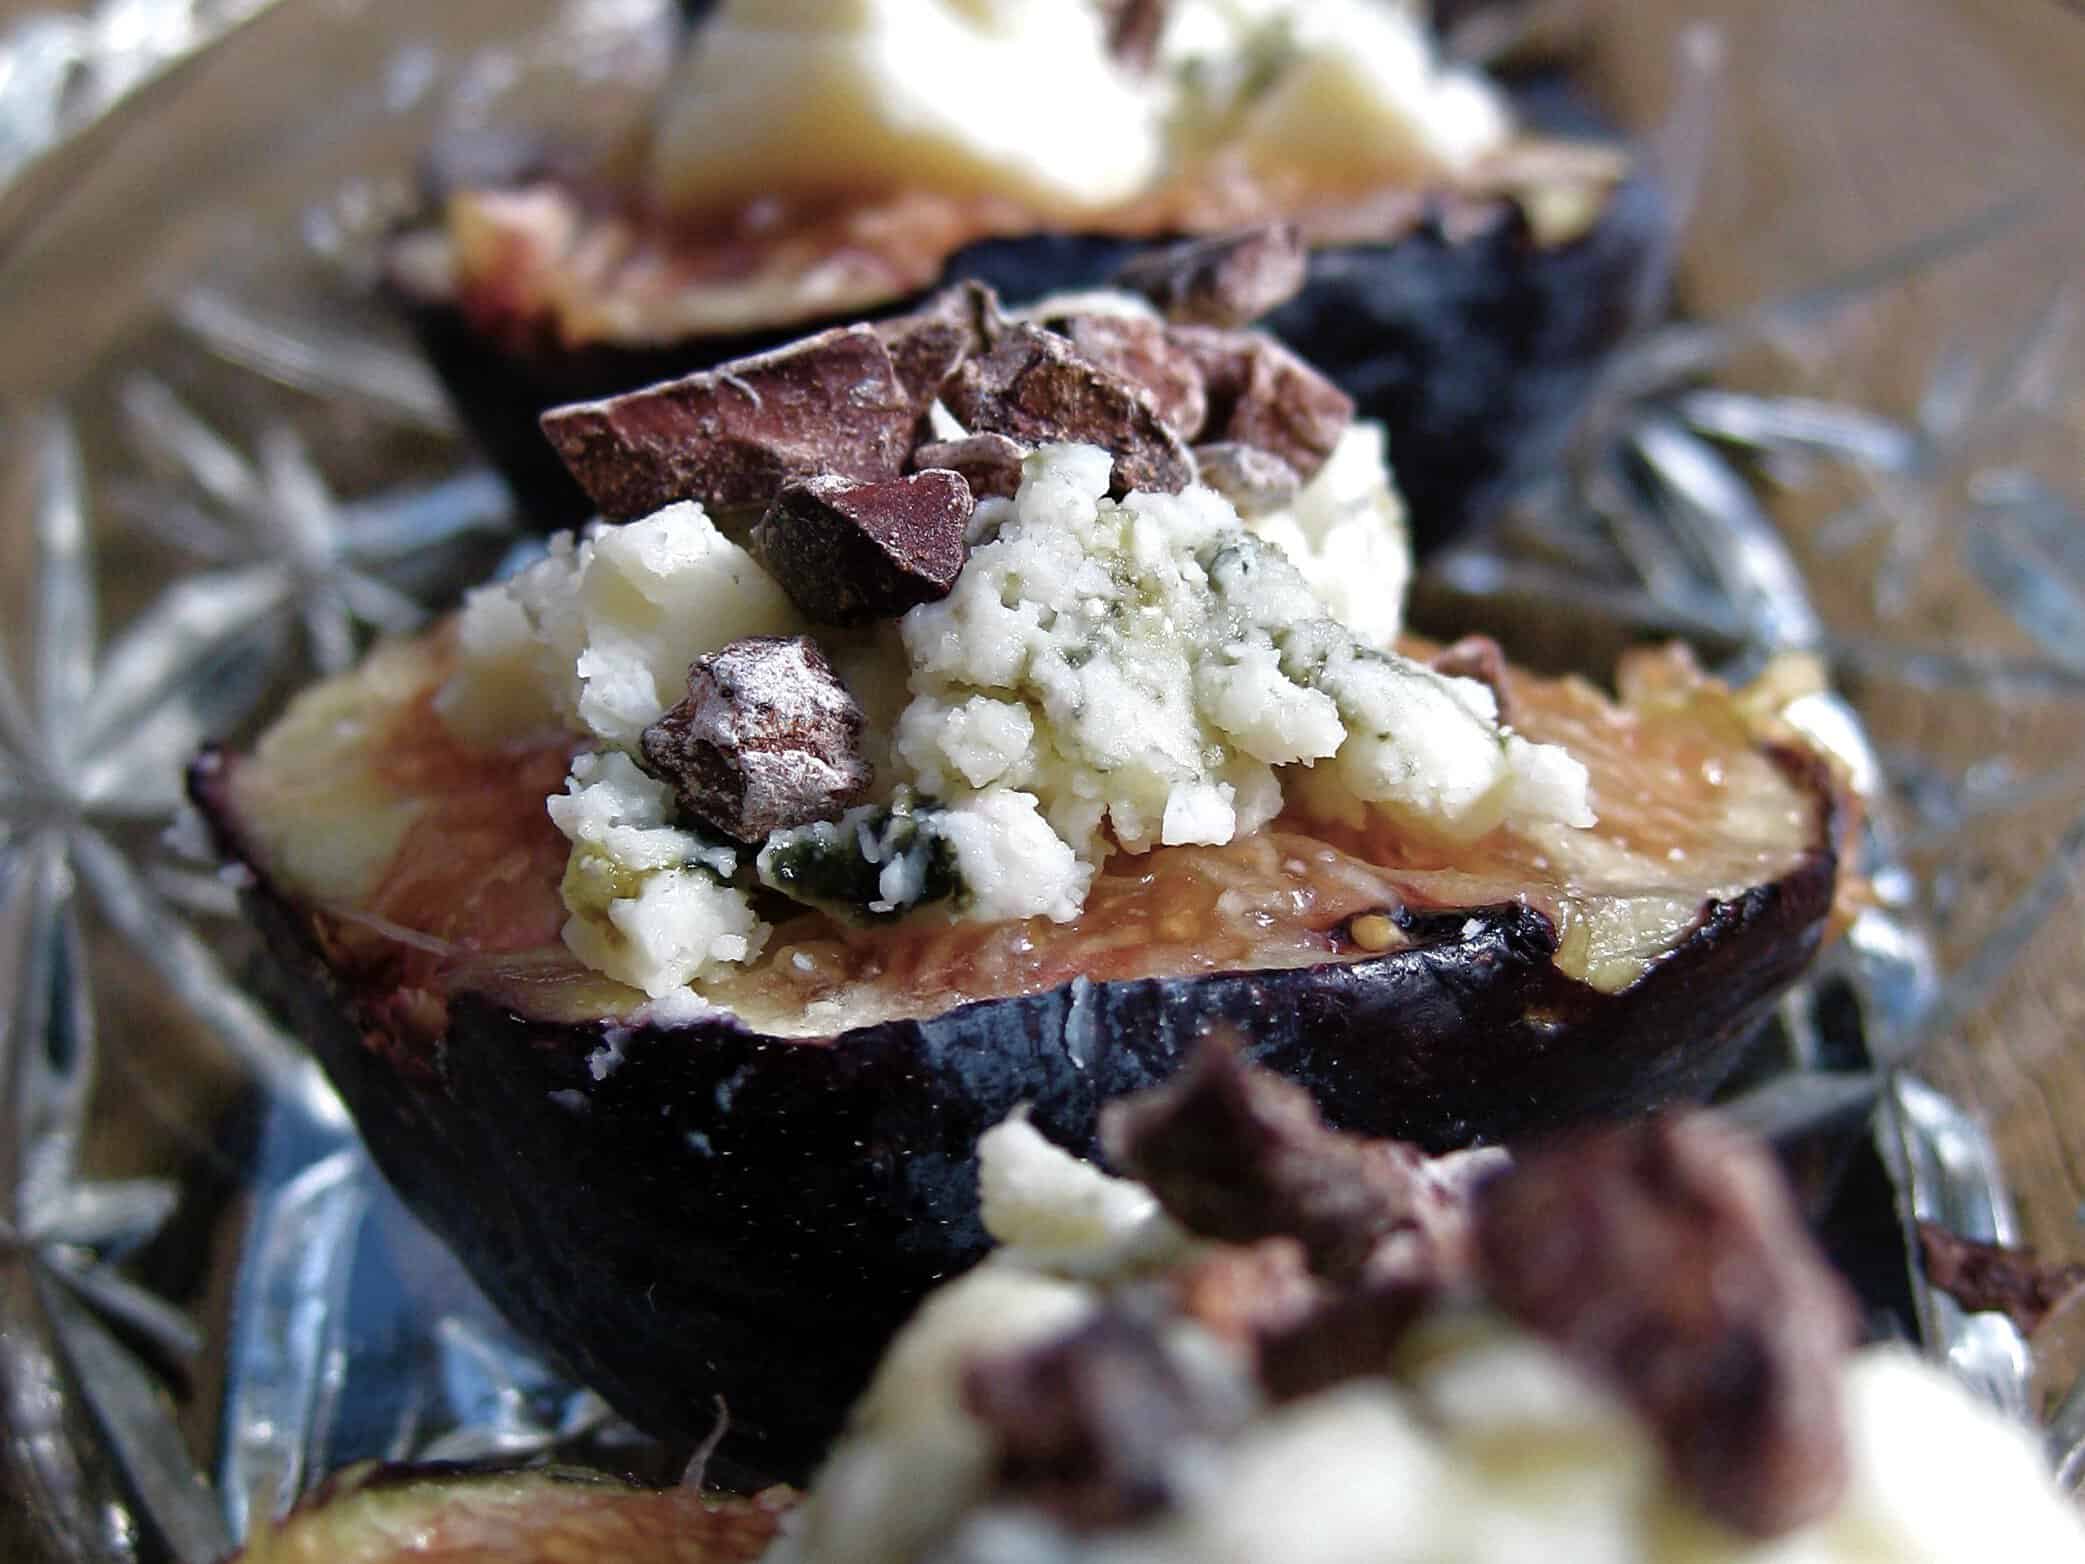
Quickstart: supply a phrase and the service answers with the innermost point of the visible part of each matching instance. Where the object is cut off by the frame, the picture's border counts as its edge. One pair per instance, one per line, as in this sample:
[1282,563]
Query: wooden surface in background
[1848,129]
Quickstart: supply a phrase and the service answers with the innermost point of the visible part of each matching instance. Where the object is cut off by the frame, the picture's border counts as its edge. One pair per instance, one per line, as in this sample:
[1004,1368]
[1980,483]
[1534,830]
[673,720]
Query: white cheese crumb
[1345,534]
[949,95]
[1037,1195]
[937,94]
[600,633]
[1011,863]
[647,902]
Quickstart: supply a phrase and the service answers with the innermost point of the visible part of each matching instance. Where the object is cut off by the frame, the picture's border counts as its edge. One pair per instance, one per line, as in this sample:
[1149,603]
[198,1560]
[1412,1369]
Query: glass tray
[225,470]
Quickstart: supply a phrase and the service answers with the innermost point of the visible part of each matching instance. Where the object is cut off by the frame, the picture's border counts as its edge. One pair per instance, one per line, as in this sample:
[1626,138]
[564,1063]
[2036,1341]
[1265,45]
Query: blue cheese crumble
[1105,677]
[651,904]
[1145,666]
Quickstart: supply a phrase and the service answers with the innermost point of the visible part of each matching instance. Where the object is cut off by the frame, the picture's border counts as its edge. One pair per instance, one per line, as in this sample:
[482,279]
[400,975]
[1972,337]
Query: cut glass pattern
[348,1333]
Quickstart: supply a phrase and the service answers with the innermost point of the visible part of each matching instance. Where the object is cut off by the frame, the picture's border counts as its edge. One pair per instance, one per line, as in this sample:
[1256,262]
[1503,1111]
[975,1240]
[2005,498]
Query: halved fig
[1465,302]
[452,1515]
[746,1198]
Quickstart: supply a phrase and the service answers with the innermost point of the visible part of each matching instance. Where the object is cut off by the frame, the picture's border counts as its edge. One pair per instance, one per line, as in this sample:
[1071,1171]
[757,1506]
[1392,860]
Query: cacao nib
[1476,657]
[1239,1154]
[1035,387]
[1667,1259]
[849,552]
[768,737]
[927,345]
[1088,1425]
[989,463]
[1231,280]
[1138,350]
[1261,394]
[1253,480]
[732,435]
[1345,1337]
[2012,1281]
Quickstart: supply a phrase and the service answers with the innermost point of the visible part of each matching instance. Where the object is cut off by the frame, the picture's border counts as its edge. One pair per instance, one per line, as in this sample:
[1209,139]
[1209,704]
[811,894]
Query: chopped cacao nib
[989,463]
[767,737]
[848,552]
[1034,386]
[1138,350]
[927,345]
[1343,1338]
[2012,1281]
[1253,480]
[1240,1154]
[1088,1425]
[1476,657]
[1261,394]
[1231,280]
[1667,1259]
[731,436]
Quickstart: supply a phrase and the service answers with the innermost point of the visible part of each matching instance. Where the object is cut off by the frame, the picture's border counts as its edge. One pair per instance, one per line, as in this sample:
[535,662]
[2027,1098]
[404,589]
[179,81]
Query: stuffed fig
[1460,274]
[676,917]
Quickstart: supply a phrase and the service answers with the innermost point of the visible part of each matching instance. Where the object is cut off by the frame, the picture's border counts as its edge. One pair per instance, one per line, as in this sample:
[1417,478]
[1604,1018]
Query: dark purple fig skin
[726,1213]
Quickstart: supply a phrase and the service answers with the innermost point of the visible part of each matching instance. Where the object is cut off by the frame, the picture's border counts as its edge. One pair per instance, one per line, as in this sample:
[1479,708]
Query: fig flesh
[442,1515]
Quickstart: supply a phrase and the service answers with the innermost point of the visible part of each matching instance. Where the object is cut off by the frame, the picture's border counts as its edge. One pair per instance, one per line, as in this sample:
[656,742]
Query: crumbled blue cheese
[651,903]
[1105,676]
[1345,534]
[1023,99]
[1348,88]
[990,856]
[598,635]
[1144,666]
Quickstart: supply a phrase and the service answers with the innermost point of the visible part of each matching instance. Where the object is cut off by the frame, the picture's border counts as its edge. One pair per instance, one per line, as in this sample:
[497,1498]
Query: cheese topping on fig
[1104,676]
[1032,100]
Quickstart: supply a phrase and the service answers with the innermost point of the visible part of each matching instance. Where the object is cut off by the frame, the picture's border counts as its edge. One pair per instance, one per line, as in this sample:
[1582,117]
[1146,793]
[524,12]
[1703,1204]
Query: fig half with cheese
[1458,273]
[1016,703]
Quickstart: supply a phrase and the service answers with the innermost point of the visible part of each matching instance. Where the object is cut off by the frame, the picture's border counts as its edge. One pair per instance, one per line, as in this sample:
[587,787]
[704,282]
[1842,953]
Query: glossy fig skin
[702,1210]
[1477,349]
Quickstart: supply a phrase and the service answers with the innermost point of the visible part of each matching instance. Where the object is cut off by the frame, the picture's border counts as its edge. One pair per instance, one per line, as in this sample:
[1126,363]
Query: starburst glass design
[65,70]
[102,743]
[279,545]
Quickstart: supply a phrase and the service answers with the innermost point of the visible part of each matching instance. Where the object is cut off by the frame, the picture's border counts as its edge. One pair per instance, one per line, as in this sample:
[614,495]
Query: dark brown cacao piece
[2015,1282]
[847,552]
[1667,1259]
[1240,1155]
[989,463]
[1261,394]
[927,345]
[1230,280]
[1088,1425]
[1137,349]
[731,436]
[767,737]
[1035,387]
